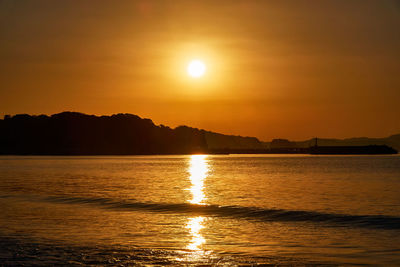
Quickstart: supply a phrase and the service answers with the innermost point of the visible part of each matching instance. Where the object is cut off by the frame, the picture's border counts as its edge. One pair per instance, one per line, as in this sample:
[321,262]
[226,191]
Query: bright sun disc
[196,68]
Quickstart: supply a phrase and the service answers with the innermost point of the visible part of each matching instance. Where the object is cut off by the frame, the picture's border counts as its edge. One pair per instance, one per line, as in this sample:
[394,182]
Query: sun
[196,68]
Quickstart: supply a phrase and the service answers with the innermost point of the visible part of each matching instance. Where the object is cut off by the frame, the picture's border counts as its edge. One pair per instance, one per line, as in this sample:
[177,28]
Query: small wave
[252,213]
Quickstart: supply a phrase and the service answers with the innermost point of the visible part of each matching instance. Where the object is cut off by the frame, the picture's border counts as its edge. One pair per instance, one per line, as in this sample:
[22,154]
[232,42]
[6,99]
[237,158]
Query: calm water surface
[200,209]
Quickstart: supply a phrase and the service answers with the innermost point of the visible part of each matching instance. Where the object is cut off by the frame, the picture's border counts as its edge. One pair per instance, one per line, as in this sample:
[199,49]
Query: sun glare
[196,68]
[198,172]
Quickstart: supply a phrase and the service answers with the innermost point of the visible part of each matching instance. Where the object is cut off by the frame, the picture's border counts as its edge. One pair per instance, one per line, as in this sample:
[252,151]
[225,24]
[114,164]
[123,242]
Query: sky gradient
[275,69]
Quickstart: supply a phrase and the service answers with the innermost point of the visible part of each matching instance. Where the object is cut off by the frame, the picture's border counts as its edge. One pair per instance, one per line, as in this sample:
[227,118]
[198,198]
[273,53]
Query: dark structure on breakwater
[290,148]
[319,150]
[350,150]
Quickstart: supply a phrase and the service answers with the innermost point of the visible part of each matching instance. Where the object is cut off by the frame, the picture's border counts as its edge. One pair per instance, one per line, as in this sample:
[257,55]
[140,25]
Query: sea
[200,210]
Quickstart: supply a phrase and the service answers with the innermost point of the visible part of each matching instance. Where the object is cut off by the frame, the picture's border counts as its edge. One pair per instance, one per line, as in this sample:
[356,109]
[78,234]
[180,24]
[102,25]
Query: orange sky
[288,69]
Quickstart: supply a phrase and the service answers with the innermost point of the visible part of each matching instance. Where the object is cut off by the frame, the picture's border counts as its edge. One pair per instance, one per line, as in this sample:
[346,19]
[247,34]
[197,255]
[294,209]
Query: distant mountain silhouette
[72,133]
[391,141]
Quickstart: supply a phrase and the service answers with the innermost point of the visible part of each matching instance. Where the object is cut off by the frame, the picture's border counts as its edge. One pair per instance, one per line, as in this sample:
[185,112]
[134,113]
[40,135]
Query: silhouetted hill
[221,141]
[72,133]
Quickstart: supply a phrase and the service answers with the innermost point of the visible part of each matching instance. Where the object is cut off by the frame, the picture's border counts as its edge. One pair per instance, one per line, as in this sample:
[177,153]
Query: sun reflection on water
[195,225]
[198,171]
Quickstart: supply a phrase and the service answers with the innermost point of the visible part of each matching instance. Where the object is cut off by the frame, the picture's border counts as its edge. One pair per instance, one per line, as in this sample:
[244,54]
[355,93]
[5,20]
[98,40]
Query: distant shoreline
[354,150]
[73,133]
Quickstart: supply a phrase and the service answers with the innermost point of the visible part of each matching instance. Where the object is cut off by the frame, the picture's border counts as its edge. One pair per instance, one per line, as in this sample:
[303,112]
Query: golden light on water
[195,225]
[198,172]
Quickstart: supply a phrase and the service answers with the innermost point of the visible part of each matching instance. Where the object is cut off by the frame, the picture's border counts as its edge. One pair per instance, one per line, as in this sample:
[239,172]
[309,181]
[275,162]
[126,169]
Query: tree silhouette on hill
[72,133]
